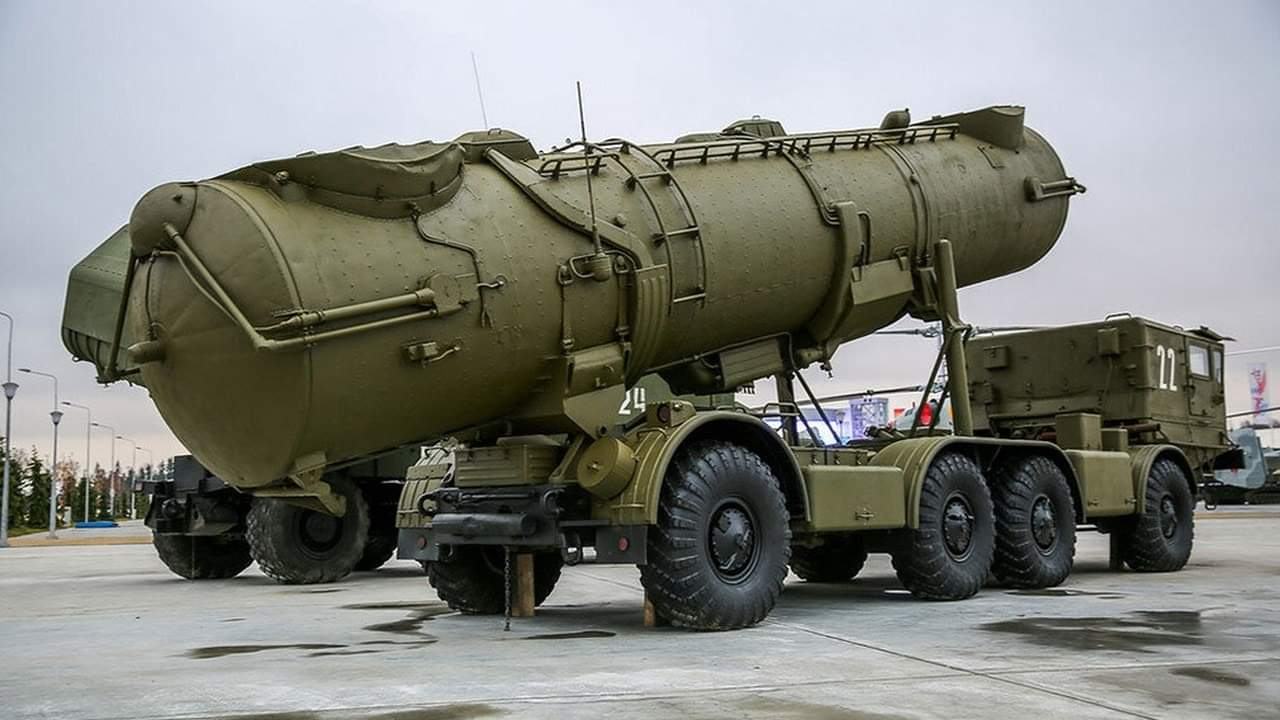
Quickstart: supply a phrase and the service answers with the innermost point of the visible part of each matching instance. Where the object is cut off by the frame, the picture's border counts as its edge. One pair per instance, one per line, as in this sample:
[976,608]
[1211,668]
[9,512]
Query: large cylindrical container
[319,308]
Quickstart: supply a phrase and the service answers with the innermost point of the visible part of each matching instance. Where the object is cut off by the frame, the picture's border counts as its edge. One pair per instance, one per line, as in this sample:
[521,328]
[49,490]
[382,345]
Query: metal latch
[428,352]
[1038,190]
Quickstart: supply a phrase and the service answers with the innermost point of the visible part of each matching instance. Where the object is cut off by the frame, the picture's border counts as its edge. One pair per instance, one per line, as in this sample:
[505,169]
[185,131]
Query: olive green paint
[341,303]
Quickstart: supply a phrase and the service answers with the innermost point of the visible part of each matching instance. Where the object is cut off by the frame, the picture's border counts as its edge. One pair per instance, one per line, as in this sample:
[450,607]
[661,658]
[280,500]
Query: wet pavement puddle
[581,634]
[1213,675]
[1139,631]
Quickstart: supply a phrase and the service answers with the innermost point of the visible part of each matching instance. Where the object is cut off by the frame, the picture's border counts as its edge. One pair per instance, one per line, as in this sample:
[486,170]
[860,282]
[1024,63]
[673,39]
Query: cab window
[1217,365]
[1198,360]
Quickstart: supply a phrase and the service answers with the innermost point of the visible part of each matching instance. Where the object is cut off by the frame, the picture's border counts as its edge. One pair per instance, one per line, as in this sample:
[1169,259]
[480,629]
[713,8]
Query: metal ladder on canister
[683,229]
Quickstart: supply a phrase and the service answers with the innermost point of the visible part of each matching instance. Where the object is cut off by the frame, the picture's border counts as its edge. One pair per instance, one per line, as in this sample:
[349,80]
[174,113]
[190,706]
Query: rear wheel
[473,579]
[1035,523]
[839,559]
[203,557]
[948,557]
[718,555]
[298,546]
[1160,539]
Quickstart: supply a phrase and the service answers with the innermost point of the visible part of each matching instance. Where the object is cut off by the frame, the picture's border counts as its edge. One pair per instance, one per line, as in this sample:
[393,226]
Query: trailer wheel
[718,554]
[299,546]
[948,557]
[1035,523]
[203,557]
[472,581]
[839,559]
[1160,539]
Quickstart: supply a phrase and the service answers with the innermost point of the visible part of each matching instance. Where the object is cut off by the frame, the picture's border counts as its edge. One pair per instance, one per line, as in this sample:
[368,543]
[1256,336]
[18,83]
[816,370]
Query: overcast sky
[1167,111]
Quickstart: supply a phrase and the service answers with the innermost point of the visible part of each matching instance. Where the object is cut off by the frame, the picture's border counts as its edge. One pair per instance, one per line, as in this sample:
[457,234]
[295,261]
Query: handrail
[204,280]
[734,148]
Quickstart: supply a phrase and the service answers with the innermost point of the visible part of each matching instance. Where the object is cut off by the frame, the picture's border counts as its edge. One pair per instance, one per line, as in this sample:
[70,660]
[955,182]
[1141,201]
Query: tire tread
[1018,561]
[275,551]
[674,577]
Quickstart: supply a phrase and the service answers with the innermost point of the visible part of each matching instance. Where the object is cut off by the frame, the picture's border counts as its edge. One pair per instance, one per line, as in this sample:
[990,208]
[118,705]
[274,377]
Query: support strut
[955,332]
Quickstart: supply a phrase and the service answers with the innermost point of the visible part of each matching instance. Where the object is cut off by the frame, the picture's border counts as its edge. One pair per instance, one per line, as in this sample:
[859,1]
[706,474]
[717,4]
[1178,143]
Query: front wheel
[1159,540]
[718,555]
[299,546]
[383,537]
[473,579]
[948,556]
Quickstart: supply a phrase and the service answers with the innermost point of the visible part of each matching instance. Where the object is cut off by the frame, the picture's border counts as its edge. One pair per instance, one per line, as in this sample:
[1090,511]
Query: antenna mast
[475,70]
[586,152]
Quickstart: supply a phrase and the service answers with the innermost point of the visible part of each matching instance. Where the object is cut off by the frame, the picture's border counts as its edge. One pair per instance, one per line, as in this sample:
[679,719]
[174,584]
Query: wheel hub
[320,531]
[1168,516]
[957,526]
[732,540]
[1044,523]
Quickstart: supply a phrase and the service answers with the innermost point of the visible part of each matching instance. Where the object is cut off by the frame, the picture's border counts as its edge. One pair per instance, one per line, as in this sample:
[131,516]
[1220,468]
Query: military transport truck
[204,529]
[1103,426]
[341,304]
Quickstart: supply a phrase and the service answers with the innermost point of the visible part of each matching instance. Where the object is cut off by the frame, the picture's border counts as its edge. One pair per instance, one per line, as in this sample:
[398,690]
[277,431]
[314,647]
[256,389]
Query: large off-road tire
[1035,523]
[378,549]
[1160,539]
[472,581]
[948,557]
[383,535]
[298,546]
[839,559]
[203,557]
[717,557]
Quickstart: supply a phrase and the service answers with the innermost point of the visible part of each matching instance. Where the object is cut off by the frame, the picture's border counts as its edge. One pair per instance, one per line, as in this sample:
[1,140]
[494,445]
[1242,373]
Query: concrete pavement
[107,632]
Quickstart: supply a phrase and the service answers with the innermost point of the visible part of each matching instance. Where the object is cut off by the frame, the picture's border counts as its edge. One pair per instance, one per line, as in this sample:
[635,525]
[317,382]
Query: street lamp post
[10,389]
[133,505]
[133,469]
[56,416]
[88,442]
[111,482]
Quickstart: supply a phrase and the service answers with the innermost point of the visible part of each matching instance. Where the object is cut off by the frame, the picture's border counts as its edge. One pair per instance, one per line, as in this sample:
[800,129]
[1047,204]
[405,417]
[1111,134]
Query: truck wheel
[1035,523]
[473,580]
[203,557]
[1159,540]
[383,536]
[718,555]
[377,551]
[298,546]
[949,555]
[839,559]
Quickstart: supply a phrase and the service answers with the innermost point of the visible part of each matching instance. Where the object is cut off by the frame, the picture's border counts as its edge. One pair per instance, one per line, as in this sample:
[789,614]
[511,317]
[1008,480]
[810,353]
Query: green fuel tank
[299,312]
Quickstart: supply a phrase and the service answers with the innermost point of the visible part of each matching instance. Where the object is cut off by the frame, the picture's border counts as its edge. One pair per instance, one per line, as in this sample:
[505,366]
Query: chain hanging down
[506,588]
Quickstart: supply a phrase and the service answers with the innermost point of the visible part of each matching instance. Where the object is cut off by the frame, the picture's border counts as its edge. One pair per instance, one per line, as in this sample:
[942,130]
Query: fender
[1142,458]
[656,446]
[914,456]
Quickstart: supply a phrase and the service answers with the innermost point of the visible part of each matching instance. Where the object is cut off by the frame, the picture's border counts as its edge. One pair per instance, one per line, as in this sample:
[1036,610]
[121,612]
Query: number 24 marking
[1167,359]
[633,401]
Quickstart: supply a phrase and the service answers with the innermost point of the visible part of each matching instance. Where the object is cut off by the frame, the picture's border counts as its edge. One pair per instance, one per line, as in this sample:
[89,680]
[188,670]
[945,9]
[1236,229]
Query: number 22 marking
[1167,359]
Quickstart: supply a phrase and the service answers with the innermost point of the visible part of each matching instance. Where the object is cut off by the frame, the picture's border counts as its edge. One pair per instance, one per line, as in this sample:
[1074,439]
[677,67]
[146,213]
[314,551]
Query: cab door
[1204,381]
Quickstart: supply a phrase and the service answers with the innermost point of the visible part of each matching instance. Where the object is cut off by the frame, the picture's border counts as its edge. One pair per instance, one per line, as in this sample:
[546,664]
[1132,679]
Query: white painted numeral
[632,402]
[1167,359]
